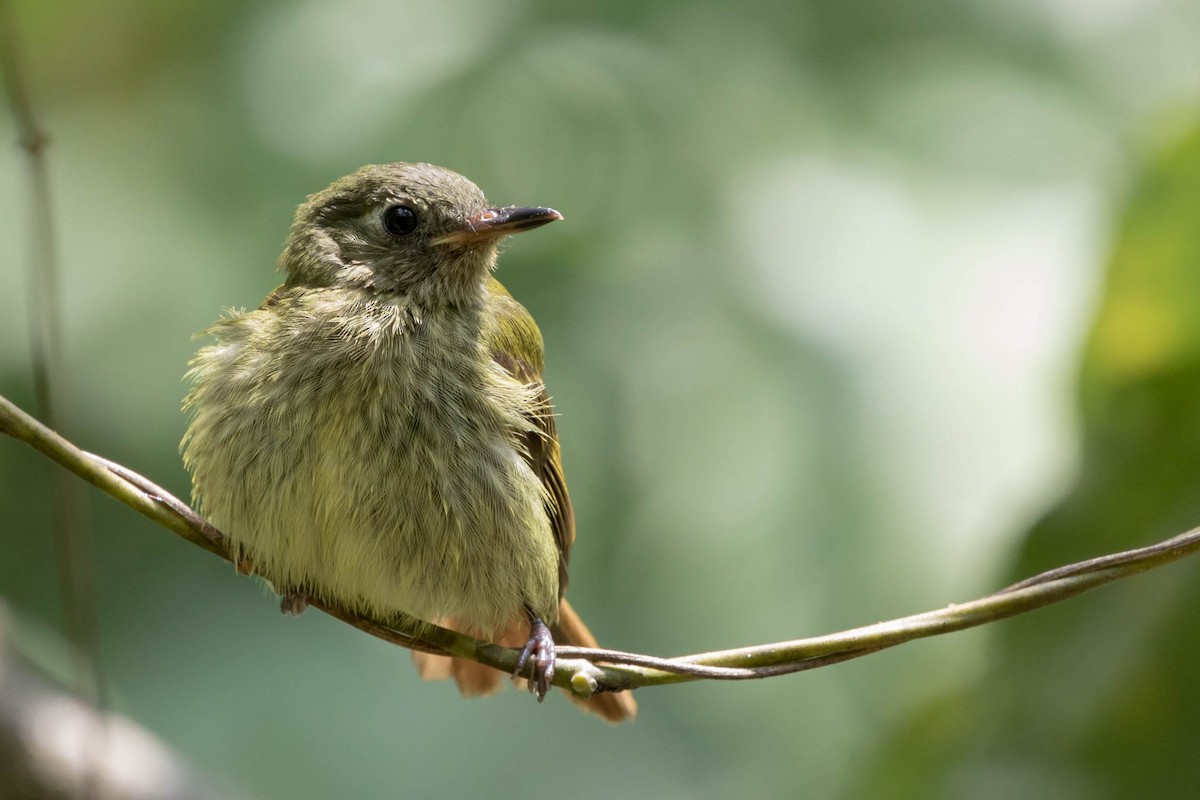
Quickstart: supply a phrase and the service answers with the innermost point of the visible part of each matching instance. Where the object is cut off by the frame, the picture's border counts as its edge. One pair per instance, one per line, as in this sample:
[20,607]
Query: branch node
[585,682]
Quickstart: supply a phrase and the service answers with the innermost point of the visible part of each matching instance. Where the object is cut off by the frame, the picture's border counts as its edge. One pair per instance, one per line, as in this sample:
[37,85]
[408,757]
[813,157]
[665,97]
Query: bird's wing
[516,345]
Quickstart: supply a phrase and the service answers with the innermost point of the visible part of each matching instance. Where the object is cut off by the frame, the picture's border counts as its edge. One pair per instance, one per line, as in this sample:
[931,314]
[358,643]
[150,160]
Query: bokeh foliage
[814,323]
[1090,699]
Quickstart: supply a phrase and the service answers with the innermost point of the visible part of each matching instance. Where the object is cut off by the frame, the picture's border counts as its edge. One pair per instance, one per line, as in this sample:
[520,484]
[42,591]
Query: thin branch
[586,670]
[68,505]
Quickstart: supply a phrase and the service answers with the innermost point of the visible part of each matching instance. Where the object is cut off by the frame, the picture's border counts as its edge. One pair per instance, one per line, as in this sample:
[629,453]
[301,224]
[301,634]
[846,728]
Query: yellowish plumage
[387,449]
[377,432]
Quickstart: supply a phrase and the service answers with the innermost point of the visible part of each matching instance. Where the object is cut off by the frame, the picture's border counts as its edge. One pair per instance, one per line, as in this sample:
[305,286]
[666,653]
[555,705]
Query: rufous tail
[476,680]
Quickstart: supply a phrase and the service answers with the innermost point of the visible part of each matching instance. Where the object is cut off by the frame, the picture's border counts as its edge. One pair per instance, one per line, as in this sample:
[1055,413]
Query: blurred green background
[858,309]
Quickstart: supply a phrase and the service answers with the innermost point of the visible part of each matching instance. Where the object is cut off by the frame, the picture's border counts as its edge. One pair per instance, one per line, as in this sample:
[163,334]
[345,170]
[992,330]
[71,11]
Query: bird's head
[414,229]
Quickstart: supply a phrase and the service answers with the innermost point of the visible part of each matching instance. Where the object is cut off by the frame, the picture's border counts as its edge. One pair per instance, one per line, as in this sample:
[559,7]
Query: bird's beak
[496,223]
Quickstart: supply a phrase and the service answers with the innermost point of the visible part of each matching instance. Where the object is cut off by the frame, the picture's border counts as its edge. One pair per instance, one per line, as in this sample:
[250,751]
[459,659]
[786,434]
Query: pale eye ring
[399,220]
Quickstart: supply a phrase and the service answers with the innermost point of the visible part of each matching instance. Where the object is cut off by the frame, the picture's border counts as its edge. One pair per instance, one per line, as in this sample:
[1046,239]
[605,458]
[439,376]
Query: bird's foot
[540,648]
[293,604]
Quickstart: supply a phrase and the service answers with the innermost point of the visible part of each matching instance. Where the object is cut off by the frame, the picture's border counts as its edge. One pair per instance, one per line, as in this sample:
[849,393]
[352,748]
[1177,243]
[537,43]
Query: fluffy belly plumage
[385,490]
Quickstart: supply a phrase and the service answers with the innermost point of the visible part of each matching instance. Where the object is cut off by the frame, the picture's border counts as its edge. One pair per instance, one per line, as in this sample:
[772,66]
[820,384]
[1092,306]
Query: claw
[540,648]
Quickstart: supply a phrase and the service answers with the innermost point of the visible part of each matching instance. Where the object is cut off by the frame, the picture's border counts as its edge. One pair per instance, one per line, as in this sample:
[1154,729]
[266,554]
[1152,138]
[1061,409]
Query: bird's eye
[399,220]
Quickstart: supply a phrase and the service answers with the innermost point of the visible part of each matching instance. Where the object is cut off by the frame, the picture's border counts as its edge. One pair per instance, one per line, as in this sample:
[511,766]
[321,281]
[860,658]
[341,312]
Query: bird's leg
[541,647]
[293,603]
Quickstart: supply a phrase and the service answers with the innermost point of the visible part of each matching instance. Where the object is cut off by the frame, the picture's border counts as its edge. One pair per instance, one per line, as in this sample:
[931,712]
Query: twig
[586,670]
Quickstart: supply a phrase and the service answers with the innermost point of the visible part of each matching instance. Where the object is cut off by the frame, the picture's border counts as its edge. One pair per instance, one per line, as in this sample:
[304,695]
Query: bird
[378,434]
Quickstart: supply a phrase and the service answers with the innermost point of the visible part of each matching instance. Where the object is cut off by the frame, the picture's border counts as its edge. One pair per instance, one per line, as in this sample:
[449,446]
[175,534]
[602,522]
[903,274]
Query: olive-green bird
[377,433]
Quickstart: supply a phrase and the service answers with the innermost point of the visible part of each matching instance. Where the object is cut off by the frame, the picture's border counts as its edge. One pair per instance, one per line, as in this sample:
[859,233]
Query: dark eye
[399,220]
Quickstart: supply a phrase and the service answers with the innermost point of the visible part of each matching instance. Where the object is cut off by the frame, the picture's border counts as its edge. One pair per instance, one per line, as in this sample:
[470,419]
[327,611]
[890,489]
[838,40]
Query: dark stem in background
[69,511]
